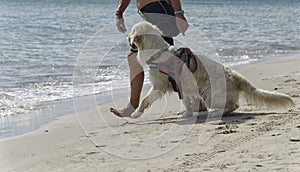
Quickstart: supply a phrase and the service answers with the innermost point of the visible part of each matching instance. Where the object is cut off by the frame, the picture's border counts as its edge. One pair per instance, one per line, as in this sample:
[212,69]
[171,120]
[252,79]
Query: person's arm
[123,4]
[181,21]
[176,5]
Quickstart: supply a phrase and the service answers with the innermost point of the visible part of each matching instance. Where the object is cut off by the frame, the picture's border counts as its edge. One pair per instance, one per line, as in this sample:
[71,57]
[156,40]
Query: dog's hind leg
[188,108]
[230,108]
[232,101]
[151,97]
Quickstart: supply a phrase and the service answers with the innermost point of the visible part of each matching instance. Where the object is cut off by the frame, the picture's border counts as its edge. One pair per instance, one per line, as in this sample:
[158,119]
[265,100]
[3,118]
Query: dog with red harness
[191,79]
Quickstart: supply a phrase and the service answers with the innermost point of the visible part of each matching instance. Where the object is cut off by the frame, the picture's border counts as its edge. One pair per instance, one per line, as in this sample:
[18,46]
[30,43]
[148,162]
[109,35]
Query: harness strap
[155,57]
[173,67]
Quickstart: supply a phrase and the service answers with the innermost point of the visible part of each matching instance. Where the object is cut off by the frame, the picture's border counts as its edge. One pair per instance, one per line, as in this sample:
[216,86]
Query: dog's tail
[263,99]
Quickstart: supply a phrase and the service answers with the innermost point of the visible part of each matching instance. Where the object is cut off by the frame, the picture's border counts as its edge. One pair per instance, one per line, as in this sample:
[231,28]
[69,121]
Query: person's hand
[120,24]
[181,23]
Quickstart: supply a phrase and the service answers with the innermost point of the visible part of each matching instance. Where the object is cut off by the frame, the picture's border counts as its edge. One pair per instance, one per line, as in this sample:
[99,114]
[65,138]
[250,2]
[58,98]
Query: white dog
[153,50]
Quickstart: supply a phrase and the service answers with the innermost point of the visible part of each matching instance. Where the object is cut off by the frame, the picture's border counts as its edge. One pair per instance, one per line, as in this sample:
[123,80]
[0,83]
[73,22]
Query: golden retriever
[220,89]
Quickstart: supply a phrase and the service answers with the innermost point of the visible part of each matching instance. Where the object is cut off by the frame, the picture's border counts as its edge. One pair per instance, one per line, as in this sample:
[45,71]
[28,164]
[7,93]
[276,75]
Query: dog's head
[145,36]
[149,41]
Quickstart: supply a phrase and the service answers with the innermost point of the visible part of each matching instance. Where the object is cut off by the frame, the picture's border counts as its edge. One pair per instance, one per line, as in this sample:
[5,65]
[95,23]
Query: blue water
[40,42]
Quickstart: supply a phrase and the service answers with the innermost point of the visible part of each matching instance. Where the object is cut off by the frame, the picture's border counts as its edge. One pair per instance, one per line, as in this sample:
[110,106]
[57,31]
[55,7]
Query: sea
[55,51]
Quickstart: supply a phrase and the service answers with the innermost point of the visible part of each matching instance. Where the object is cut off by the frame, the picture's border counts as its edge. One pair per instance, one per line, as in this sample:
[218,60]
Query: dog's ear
[137,39]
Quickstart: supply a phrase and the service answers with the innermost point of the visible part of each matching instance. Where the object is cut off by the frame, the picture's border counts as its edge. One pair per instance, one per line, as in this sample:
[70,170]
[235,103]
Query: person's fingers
[182,24]
[121,28]
[120,25]
[183,33]
[184,29]
[186,26]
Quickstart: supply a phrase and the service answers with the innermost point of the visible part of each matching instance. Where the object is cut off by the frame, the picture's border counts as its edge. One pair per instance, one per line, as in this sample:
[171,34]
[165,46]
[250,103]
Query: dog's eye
[129,40]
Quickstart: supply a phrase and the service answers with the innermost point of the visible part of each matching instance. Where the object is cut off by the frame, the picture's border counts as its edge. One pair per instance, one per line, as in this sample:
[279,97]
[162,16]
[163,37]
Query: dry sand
[242,141]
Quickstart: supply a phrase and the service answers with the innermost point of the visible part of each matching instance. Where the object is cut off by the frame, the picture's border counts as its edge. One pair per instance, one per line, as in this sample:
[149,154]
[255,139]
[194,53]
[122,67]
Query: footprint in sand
[295,139]
[290,80]
[91,153]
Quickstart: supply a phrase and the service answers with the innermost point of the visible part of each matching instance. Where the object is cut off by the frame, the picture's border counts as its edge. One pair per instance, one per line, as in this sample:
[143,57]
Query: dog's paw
[215,113]
[136,114]
[202,113]
[187,114]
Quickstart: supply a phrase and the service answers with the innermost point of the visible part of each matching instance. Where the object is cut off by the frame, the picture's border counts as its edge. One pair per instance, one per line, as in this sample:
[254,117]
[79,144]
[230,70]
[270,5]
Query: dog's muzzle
[133,47]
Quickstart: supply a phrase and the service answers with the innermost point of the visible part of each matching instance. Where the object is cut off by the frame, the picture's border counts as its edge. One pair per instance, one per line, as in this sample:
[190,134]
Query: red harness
[173,67]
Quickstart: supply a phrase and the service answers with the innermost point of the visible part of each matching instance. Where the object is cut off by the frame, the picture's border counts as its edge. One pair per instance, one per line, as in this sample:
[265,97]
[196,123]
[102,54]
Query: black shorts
[161,14]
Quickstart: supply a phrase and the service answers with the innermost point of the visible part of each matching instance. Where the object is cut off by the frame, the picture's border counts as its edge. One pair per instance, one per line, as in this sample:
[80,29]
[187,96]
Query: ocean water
[41,43]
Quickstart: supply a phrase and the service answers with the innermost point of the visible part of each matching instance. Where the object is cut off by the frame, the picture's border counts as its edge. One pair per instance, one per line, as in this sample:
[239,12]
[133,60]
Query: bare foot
[125,112]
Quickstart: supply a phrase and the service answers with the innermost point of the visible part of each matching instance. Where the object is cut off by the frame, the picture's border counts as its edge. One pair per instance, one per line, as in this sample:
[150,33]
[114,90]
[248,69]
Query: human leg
[136,85]
[136,79]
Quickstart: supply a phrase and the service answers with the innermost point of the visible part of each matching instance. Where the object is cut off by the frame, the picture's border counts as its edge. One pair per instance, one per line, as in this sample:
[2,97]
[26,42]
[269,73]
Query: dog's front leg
[151,97]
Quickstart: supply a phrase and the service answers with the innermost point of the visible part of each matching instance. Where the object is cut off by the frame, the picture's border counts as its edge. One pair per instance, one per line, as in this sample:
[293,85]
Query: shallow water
[40,42]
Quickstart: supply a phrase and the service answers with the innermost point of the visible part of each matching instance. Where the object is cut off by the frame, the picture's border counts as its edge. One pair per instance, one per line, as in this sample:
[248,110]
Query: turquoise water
[41,40]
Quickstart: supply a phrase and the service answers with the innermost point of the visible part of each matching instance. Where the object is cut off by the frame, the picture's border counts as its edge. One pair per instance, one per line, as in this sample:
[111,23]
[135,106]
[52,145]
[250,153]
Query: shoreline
[53,110]
[63,107]
[243,140]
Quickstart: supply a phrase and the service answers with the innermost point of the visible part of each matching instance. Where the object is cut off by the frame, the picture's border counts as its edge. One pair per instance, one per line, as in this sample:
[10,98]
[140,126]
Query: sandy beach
[242,141]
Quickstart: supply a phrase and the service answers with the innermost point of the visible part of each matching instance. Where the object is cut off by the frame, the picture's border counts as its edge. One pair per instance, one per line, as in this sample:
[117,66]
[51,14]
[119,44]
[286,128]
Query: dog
[229,85]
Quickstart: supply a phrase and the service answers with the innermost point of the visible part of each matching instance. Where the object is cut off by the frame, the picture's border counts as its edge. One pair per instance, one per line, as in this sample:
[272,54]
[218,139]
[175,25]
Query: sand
[242,141]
